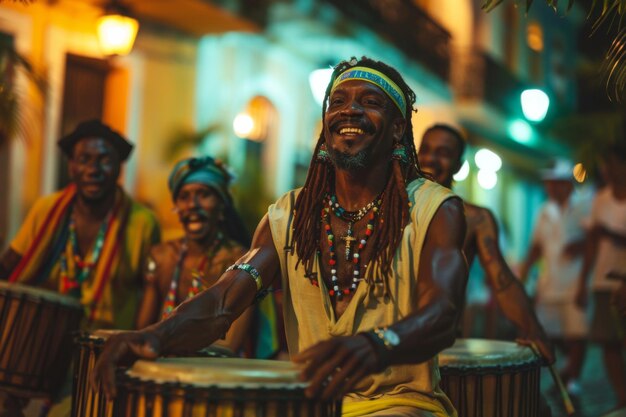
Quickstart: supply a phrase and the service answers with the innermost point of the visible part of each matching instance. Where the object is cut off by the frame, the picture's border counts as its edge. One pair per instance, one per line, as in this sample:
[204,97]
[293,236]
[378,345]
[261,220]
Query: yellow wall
[148,96]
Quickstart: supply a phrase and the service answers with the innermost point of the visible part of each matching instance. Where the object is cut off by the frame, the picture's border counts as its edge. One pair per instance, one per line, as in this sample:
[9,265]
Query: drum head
[220,372]
[483,353]
[35,292]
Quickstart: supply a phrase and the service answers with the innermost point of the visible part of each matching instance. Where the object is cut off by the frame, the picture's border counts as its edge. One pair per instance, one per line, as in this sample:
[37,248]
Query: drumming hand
[546,350]
[335,366]
[122,347]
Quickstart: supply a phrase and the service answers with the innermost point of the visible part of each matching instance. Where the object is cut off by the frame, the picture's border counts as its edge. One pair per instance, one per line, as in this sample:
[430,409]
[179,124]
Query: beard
[351,162]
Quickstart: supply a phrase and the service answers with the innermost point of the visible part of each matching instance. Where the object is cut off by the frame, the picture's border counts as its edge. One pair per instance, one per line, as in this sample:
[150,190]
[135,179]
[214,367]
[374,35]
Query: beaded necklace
[70,282]
[351,217]
[197,274]
[335,290]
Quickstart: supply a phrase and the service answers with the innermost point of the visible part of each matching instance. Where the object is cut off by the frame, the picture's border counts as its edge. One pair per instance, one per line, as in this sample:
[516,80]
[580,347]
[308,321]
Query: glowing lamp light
[487,179]
[580,173]
[463,172]
[535,104]
[520,131]
[318,81]
[116,33]
[487,160]
[243,125]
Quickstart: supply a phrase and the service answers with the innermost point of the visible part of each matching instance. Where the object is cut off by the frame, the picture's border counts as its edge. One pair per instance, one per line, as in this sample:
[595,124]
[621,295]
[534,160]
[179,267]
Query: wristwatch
[389,338]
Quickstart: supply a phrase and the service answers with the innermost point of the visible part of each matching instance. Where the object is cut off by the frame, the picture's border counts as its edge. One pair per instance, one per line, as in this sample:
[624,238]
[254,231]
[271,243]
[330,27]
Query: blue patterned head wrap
[205,170]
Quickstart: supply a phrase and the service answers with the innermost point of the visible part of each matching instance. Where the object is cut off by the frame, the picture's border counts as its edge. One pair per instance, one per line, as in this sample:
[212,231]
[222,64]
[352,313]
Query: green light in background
[520,131]
[535,104]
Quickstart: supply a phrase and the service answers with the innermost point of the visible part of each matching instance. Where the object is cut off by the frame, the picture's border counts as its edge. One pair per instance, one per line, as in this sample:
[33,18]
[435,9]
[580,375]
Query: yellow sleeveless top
[309,316]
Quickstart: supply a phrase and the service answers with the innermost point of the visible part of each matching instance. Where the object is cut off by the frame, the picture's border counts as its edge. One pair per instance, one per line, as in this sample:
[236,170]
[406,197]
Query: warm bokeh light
[534,37]
[487,160]
[535,104]
[487,179]
[463,172]
[580,173]
[243,125]
[116,34]
[318,81]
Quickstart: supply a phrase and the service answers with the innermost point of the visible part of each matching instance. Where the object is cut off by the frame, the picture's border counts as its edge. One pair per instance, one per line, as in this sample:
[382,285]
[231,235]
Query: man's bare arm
[8,262]
[197,322]
[589,259]
[149,307]
[440,289]
[509,292]
[533,255]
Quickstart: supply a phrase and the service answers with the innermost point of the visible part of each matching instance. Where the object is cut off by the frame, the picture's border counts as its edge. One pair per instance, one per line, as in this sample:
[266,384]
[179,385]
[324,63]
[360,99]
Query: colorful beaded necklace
[197,274]
[335,291]
[351,217]
[70,282]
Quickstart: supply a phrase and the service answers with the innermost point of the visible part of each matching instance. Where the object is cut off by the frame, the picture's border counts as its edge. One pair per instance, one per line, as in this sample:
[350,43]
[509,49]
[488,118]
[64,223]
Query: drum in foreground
[491,378]
[36,329]
[219,387]
[87,402]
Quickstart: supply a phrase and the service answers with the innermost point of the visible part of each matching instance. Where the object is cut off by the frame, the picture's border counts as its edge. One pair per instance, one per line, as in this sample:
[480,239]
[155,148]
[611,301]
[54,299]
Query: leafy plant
[13,115]
[609,15]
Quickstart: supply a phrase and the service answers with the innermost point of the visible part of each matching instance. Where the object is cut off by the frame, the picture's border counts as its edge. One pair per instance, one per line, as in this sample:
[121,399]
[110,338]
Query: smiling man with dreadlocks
[369,253]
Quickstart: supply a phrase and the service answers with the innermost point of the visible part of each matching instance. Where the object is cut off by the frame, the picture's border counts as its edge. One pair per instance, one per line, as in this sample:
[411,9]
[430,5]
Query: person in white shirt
[558,239]
[606,253]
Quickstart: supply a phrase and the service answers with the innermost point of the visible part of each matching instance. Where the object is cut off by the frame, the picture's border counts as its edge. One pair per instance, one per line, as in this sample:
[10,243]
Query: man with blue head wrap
[214,238]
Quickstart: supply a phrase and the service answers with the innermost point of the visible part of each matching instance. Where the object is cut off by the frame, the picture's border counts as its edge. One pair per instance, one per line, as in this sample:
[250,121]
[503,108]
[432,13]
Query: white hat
[562,169]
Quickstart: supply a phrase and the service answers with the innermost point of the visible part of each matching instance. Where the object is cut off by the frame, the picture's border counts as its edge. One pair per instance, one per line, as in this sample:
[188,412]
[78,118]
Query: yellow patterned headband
[377,78]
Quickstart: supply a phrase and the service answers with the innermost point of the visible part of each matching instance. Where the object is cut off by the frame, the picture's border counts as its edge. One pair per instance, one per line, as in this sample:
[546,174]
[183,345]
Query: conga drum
[36,329]
[216,387]
[87,402]
[491,378]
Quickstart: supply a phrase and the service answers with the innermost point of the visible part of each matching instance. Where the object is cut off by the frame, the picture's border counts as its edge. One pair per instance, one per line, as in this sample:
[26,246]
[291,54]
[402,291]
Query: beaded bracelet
[254,274]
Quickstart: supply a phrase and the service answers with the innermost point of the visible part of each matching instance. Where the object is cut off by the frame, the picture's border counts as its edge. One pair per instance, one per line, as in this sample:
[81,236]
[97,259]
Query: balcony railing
[475,75]
[407,27]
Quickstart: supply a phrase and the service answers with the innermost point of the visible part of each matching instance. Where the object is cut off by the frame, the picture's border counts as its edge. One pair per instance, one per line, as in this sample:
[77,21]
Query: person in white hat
[558,238]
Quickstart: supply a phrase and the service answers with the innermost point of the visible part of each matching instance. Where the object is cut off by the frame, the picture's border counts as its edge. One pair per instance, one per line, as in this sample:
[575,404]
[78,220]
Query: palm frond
[489,5]
[14,118]
[184,138]
[613,68]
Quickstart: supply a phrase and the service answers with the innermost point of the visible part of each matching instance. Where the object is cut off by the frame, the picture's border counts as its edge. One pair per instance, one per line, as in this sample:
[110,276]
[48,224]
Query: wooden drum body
[491,378]
[216,387]
[87,402]
[36,329]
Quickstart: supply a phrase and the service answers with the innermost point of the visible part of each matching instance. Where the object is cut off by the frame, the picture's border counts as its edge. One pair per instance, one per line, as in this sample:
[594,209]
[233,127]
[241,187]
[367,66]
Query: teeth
[194,226]
[345,130]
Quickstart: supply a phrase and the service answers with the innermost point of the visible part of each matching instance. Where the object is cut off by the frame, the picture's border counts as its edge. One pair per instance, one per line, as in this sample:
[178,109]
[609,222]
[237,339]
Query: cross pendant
[348,239]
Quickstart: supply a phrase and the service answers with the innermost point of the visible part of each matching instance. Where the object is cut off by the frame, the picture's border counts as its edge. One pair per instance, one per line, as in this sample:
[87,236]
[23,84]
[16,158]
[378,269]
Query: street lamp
[117,30]
[318,81]
[535,104]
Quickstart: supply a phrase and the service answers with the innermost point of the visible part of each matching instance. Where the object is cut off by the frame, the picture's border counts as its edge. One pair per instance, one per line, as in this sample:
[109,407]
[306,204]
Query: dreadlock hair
[395,201]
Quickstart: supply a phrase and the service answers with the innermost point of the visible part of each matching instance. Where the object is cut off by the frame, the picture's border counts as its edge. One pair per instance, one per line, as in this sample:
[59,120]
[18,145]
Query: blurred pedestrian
[605,254]
[558,239]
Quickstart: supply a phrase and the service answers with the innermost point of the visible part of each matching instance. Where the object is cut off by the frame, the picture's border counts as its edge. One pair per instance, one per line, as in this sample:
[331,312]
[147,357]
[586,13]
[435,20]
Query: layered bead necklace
[331,205]
[197,274]
[71,282]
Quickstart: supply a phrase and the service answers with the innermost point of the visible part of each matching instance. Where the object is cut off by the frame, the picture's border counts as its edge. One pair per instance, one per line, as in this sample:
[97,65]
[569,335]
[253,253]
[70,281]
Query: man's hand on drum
[542,344]
[120,349]
[335,366]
